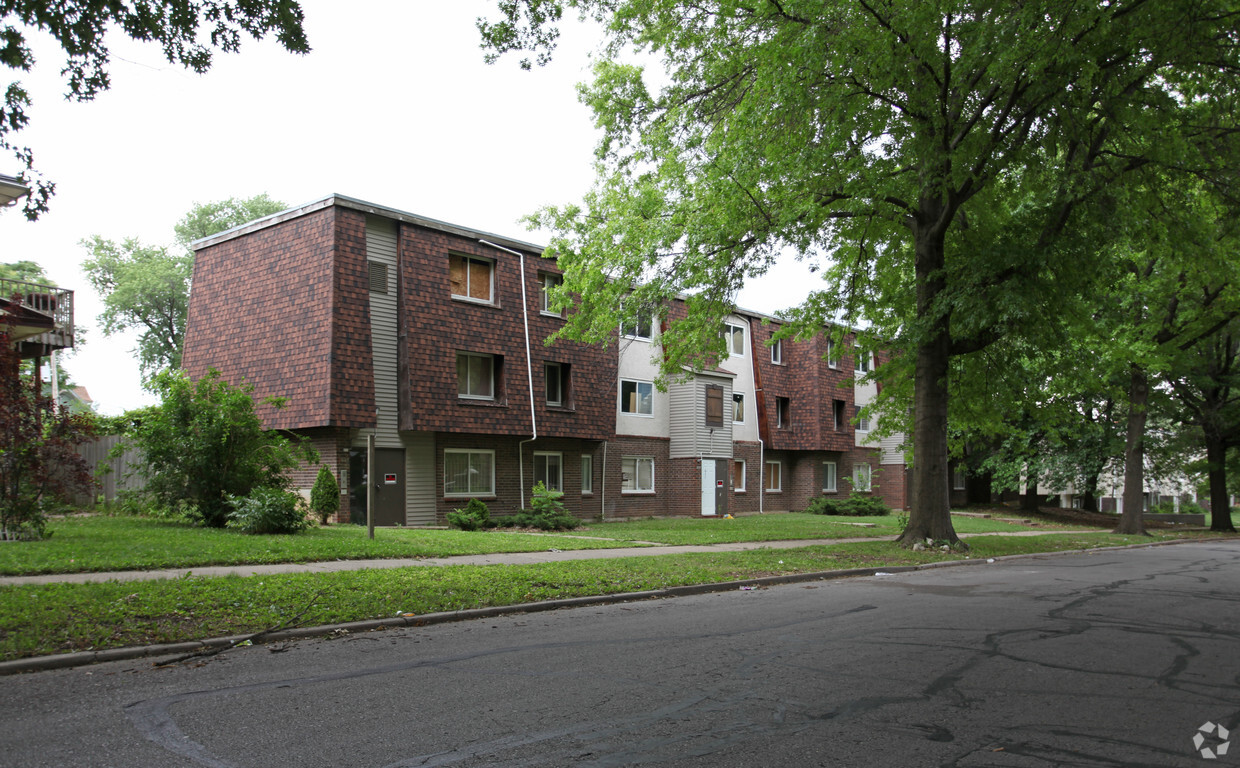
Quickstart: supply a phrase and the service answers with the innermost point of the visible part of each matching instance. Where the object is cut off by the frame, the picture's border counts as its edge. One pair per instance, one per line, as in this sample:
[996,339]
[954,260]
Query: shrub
[1167,507]
[268,510]
[325,495]
[204,444]
[39,466]
[474,517]
[547,511]
[854,505]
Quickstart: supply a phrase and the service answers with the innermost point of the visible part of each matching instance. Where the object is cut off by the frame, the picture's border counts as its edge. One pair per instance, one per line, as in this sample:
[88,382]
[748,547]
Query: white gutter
[529,371]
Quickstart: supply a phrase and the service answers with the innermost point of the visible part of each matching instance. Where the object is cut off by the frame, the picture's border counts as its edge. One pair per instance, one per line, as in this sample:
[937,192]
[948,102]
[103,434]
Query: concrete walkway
[509,558]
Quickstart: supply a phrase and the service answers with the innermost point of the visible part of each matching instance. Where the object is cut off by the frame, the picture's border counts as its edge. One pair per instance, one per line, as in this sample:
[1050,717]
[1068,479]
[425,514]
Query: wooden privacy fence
[122,473]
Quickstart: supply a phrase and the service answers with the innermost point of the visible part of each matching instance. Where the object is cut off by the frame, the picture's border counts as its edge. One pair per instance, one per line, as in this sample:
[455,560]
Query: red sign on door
[389,479]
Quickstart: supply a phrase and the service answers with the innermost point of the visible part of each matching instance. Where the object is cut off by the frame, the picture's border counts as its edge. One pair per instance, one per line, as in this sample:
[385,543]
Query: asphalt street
[1116,658]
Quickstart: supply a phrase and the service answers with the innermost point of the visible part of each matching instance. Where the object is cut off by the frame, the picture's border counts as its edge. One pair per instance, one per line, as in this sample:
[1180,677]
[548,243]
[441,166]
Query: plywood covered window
[471,278]
[714,405]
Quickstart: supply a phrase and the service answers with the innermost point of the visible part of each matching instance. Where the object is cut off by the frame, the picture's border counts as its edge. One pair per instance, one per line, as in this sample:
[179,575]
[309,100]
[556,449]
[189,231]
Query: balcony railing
[35,306]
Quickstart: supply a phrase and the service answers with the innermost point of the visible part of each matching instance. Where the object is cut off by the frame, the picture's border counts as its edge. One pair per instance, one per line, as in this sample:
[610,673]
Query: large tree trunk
[1220,506]
[930,511]
[1131,521]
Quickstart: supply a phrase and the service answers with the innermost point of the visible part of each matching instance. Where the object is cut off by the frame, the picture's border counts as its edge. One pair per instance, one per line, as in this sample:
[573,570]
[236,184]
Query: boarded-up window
[738,475]
[470,278]
[714,406]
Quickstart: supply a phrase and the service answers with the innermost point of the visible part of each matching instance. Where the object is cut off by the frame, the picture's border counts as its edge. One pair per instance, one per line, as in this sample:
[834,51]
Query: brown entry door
[388,486]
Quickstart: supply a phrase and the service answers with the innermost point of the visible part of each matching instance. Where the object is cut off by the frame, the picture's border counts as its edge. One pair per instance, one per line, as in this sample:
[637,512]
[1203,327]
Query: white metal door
[708,486]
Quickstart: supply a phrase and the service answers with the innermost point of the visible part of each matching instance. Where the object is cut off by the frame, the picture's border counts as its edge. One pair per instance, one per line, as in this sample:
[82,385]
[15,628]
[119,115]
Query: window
[837,414]
[468,473]
[958,479]
[557,384]
[641,329]
[861,477]
[738,408]
[863,422]
[378,276]
[637,474]
[714,405]
[637,397]
[549,470]
[828,477]
[471,278]
[773,476]
[548,280]
[734,335]
[833,361]
[865,362]
[783,412]
[475,376]
[587,474]
[777,352]
[738,475]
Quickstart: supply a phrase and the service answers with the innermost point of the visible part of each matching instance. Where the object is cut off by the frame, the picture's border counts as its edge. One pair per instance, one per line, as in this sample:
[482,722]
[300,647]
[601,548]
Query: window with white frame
[865,361]
[772,475]
[549,470]
[863,422]
[468,473]
[637,474]
[548,280]
[475,376]
[738,408]
[637,397]
[861,477]
[642,329]
[734,336]
[471,278]
[833,360]
[959,482]
[738,475]
[587,474]
[557,380]
[828,477]
[777,352]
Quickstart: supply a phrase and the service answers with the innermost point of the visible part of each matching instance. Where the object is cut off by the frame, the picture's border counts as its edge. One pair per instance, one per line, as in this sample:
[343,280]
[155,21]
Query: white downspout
[761,474]
[602,509]
[529,371]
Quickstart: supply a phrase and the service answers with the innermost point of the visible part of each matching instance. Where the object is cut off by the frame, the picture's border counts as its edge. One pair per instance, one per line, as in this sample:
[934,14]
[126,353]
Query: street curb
[83,658]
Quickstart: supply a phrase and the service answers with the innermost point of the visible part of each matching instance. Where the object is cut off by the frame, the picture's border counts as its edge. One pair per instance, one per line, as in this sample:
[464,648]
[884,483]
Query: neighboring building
[430,336]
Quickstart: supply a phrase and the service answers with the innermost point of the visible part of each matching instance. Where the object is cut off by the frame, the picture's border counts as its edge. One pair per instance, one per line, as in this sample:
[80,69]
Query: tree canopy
[188,33]
[147,287]
[957,169]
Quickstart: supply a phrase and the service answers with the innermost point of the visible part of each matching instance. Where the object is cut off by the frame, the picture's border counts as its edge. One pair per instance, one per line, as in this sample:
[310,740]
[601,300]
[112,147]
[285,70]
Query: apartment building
[430,337]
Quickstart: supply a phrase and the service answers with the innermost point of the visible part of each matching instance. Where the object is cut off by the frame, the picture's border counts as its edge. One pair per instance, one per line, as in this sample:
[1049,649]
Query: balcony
[38,318]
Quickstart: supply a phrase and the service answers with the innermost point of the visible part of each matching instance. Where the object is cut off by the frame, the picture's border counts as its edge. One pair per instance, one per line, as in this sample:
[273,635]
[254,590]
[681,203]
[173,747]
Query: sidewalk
[513,558]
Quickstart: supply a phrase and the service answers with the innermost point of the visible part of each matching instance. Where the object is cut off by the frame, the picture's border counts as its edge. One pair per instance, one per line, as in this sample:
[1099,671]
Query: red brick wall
[637,504]
[264,308]
[438,326]
[333,447]
[747,500]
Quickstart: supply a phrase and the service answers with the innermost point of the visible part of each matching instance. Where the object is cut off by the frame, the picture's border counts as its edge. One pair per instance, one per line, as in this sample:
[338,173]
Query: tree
[962,164]
[325,495]
[204,443]
[147,287]
[189,35]
[38,460]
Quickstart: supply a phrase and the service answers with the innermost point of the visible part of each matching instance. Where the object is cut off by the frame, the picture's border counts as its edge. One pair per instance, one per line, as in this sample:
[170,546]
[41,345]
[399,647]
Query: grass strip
[100,543]
[60,618]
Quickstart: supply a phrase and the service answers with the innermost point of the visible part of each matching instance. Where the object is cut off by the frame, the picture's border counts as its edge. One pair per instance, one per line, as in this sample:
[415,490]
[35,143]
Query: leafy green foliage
[39,466]
[204,443]
[476,516]
[188,34]
[1167,507]
[546,511]
[853,505]
[146,288]
[325,495]
[268,510]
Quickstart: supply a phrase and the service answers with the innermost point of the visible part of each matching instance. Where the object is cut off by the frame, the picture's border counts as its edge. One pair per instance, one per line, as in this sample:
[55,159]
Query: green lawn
[59,618]
[782,526]
[101,543]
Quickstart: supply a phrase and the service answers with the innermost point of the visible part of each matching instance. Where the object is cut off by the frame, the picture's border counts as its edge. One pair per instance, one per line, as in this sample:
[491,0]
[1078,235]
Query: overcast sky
[394,106]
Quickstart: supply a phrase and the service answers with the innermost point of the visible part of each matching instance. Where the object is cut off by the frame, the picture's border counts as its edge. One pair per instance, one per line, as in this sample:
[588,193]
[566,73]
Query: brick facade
[285,304]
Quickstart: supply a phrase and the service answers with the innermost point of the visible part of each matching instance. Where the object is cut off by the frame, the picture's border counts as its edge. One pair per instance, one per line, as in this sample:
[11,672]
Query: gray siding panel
[420,473]
[687,430]
[381,247]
